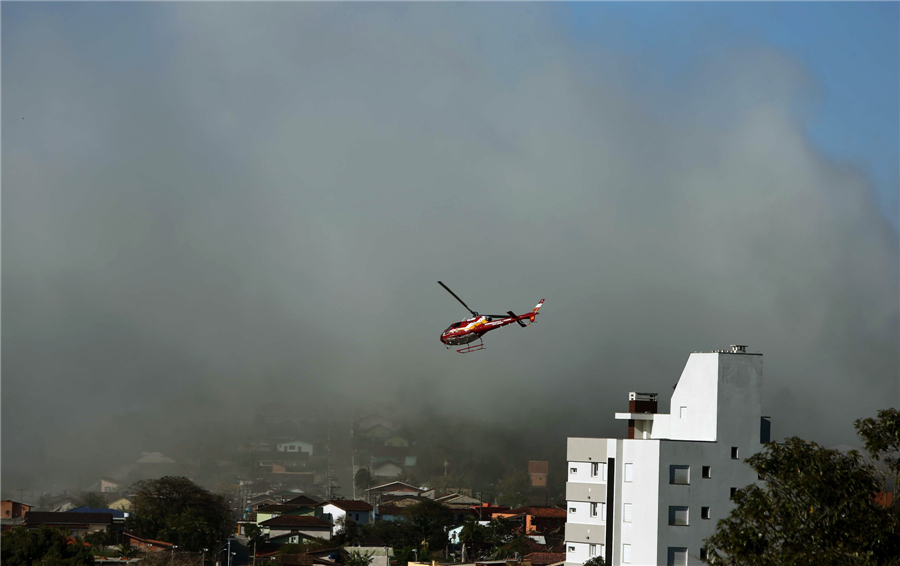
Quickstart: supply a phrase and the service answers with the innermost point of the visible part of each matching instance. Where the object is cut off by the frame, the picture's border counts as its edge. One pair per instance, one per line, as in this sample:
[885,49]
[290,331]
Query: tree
[357,558]
[514,488]
[427,522]
[176,510]
[92,500]
[881,438]
[24,547]
[127,551]
[817,506]
[363,479]
[595,561]
[255,534]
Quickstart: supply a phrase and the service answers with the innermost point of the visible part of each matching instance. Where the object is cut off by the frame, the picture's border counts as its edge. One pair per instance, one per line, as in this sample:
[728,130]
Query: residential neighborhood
[626,501]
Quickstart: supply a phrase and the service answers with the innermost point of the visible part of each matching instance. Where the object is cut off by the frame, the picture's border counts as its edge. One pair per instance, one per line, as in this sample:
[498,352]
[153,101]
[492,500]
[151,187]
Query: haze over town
[208,208]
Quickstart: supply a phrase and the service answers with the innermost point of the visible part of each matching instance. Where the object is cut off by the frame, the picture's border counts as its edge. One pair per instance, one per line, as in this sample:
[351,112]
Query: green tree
[514,488]
[176,510]
[357,558]
[127,551]
[255,534]
[595,561]
[817,506]
[44,546]
[91,499]
[427,521]
[881,438]
[472,532]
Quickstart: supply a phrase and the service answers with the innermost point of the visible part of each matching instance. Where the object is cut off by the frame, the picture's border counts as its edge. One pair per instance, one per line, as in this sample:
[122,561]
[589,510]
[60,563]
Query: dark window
[702,554]
[707,472]
[678,516]
[680,475]
[704,512]
[733,491]
[734,452]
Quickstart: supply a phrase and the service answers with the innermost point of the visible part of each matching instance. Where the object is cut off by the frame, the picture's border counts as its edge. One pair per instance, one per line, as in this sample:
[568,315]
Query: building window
[573,470]
[734,452]
[680,475]
[598,509]
[593,550]
[572,510]
[626,554]
[678,516]
[598,470]
[571,549]
[704,513]
[707,472]
[626,513]
[703,554]
[677,557]
[629,472]
[682,413]
[733,491]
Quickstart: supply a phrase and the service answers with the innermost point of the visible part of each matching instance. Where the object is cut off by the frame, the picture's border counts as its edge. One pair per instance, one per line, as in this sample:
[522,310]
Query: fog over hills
[211,207]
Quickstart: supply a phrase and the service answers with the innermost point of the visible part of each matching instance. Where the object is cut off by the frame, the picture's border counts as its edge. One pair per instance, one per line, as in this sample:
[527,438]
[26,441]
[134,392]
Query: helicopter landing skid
[472,348]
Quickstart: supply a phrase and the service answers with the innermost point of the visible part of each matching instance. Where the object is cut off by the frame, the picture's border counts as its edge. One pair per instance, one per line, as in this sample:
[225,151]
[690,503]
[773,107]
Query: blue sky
[850,49]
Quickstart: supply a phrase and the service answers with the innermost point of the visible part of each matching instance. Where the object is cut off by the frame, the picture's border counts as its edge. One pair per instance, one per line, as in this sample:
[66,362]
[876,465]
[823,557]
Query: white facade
[653,499]
[359,516]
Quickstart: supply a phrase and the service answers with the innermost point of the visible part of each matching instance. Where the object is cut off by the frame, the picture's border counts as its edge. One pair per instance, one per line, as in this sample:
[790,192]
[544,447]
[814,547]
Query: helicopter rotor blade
[458,299]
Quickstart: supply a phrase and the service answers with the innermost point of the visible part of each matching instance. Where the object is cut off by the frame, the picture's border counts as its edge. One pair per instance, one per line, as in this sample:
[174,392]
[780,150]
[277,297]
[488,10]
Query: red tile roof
[295,521]
[348,504]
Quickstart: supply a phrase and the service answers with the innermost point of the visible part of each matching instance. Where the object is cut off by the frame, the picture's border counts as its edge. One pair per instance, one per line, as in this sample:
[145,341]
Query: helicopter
[471,329]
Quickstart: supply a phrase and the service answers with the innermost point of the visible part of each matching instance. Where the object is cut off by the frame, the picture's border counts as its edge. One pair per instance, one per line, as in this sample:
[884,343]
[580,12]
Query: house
[304,499]
[386,469]
[10,509]
[117,514]
[537,471]
[653,497]
[108,485]
[122,504]
[303,524]
[270,511]
[397,454]
[397,442]
[75,524]
[538,520]
[145,544]
[388,513]
[394,488]
[359,512]
[295,446]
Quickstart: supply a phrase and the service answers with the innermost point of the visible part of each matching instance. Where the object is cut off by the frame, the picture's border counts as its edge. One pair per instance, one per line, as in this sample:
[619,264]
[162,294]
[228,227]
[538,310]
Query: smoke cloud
[207,207]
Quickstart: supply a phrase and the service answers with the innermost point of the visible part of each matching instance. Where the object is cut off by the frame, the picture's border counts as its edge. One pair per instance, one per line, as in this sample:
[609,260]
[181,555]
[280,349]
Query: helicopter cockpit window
[456,325]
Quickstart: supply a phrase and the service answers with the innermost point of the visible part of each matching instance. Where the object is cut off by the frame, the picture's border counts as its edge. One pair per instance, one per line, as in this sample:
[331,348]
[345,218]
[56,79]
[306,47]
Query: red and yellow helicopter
[471,329]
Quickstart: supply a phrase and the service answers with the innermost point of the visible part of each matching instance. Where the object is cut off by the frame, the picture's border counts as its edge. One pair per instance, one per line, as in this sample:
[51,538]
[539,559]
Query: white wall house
[358,511]
[652,498]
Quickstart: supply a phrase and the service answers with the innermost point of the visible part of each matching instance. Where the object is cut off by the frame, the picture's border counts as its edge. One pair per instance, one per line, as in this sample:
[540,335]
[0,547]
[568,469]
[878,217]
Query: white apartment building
[652,498]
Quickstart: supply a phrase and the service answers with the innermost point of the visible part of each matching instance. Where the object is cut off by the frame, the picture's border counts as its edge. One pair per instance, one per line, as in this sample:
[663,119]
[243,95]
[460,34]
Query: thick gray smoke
[209,206]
